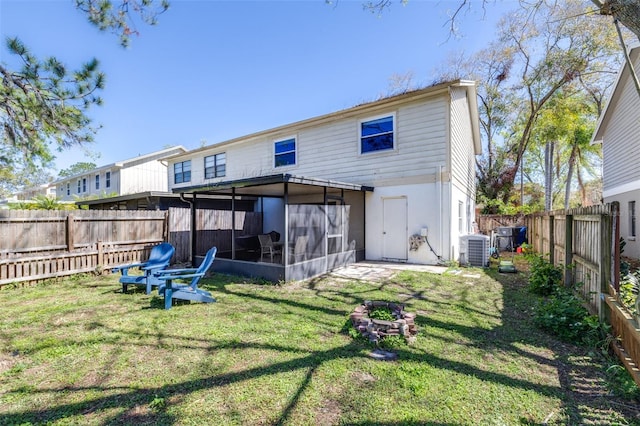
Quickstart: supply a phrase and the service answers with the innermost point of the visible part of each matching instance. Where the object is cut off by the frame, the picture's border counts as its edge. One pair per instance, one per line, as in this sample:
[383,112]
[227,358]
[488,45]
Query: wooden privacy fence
[585,242]
[40,244]
[489,222]
[213,228]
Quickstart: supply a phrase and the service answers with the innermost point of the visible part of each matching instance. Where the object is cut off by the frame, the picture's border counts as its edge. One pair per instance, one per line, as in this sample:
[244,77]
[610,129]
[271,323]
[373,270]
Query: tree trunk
[548,175]
[567,191]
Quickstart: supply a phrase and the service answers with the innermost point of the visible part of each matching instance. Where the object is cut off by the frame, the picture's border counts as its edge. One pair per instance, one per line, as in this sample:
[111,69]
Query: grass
[80,352]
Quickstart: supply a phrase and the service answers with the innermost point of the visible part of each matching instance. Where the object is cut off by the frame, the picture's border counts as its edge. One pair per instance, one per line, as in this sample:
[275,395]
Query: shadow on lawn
[136,401]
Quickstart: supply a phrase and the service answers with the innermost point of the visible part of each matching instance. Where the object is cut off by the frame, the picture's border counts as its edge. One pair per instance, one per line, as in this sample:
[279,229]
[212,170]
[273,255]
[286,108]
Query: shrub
[629,288]
[563,315]
[545,278]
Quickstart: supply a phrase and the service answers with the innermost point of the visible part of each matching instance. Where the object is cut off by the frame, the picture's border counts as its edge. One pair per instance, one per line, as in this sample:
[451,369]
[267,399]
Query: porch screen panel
[338,229]
[306,232]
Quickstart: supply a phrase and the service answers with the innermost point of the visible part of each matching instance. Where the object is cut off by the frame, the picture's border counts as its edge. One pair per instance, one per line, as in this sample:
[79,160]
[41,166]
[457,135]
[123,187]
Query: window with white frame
[68,188]
[84,184]
[107,179]
[79,185]
[215,166]
[182,172]
[285,152]
[632,219]
[97,182]
[377,134]
[460,217]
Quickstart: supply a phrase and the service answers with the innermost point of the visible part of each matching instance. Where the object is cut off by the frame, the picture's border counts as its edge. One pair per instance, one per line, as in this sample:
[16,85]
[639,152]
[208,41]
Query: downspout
[285,251]
[194,230]
[441,215]
[233,223]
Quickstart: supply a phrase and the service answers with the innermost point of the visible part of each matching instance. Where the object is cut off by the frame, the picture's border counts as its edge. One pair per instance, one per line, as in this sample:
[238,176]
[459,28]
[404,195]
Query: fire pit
[375,330]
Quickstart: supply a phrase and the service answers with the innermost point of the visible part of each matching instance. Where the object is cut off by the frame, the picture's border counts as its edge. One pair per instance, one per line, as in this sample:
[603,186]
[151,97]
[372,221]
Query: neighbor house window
[285,152]
[215,166]
[107,179]
[68,189]
[632,218]
[377,135]
[97,181]
[84,184]
[79,186]
[460,216]
[182,172]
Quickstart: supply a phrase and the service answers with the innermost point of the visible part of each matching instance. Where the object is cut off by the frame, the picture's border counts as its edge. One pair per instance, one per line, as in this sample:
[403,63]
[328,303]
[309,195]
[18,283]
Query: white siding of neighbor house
[331,151]
[621,140]
[147,176]
[91,185]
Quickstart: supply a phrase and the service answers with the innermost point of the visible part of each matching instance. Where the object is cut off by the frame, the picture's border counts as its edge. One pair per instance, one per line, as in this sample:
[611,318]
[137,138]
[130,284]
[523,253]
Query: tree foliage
[121,17]
[44,104]
[545,63]
[77,168]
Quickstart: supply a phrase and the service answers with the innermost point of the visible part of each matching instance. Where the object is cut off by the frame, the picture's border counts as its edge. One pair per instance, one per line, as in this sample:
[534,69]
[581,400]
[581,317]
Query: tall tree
[44,104]
[542,55]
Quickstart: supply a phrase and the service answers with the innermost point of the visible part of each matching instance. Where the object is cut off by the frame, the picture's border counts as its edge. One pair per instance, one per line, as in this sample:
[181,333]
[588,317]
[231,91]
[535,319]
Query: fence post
[605,263]
[568,250]
[101,263]
[615,245]
[552,251]
[70,233]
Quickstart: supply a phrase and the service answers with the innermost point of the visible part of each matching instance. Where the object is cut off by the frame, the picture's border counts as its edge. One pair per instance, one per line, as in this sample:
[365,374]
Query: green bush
[563,315]
[545,278]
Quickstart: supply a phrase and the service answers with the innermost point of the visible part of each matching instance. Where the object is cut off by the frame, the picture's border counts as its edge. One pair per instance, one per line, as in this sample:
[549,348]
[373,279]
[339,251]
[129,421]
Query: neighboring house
[29,194]
[618,130]
[402,170]
[139,174]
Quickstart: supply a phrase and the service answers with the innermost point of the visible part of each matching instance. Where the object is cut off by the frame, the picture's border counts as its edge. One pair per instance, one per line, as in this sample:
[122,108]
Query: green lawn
[80,352]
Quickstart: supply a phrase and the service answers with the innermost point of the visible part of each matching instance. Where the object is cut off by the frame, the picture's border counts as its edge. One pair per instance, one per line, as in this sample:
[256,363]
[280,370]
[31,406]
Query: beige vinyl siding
[462,153]
[621,140]
[332,151]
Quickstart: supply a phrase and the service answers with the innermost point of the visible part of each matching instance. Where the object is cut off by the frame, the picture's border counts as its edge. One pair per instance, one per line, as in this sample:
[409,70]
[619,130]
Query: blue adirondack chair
[158,260]
[171,290]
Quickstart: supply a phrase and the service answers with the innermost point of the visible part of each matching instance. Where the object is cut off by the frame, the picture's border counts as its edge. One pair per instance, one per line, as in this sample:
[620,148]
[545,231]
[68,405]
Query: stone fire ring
[376,330]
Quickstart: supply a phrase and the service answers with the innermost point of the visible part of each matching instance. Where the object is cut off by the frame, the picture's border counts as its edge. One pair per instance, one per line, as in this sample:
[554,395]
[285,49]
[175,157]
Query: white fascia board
[621,189]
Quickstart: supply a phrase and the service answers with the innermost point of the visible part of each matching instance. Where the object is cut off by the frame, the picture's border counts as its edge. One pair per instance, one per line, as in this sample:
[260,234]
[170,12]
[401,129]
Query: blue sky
[214,70]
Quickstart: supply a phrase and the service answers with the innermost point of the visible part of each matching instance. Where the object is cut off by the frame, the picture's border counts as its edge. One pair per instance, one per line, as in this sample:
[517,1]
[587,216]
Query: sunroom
[301,226]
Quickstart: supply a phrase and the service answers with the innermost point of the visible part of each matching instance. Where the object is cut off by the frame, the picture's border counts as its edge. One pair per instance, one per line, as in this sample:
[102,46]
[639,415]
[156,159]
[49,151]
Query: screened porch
[302,227]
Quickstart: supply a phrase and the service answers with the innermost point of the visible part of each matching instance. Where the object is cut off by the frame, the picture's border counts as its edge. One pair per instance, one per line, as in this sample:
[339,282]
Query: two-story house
[135,175]
[618,130]
[392,179]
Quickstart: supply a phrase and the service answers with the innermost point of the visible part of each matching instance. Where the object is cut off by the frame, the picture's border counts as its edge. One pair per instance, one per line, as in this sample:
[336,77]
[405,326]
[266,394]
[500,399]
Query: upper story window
[285,152]
[79,186]
[68,189]
[84,184]
[377,134]
[215,166]
[182,172]
[97,181]
[107,180]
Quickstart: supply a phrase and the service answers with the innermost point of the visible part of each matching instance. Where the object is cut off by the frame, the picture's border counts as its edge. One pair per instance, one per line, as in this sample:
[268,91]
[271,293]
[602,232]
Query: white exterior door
[394,228]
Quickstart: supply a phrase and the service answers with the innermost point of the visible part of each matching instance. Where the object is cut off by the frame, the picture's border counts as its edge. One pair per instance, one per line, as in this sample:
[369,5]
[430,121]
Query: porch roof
[276,186]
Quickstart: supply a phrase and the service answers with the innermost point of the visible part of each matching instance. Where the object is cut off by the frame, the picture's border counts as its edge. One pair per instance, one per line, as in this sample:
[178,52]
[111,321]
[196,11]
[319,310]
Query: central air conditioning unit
[474,250]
